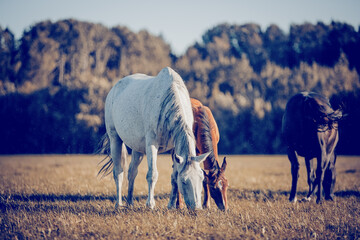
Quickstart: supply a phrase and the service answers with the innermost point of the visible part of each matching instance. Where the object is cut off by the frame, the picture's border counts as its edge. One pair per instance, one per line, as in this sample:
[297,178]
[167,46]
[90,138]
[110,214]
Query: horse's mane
[206,140]
[171,117]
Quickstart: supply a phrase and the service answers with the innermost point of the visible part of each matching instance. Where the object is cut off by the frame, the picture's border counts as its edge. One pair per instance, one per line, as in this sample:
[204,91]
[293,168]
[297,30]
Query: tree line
[54,80]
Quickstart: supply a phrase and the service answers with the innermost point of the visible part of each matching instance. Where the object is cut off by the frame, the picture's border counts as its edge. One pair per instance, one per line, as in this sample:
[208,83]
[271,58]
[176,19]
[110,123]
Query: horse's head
[218,185]
[190,178]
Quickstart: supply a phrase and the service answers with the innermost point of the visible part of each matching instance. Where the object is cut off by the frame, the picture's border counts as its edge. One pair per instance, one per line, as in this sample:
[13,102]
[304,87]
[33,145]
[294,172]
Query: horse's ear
[223,166]
[178,158]
[200,158]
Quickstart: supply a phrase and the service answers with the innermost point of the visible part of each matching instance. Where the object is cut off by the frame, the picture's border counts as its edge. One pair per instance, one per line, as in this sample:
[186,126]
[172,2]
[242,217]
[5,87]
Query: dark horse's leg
[325,173]
[319,177]
[322,166]
[294,172]
[311,177]
[330,179]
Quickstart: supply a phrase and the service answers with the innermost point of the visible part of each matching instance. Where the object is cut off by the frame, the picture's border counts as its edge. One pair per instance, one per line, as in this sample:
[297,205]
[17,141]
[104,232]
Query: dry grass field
[61,197]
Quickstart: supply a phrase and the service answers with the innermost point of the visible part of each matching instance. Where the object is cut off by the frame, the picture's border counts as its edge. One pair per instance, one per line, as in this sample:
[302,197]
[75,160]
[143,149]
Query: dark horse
[310,129]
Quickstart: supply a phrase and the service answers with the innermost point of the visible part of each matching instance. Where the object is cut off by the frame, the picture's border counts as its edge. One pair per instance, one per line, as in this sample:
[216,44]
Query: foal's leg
[294,172]
[118,155]
[311,177]
[206,203]
[330,179]
[136,159]
[152,174]
[179,201]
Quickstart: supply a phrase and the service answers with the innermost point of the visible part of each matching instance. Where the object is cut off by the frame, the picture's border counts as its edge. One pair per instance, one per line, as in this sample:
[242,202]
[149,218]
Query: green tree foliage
[54,80]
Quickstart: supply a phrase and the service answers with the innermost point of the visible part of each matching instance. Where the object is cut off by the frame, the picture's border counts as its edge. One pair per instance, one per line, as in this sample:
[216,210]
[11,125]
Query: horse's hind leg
[294,173]
[132,173]
[311,177]
[118,155]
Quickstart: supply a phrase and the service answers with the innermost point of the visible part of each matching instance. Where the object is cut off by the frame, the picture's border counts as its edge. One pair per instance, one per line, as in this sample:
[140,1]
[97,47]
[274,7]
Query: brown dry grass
[60,196]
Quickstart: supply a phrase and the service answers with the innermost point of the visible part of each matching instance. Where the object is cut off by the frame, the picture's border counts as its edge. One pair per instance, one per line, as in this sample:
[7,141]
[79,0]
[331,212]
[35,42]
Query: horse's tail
[337,115]
[104,148]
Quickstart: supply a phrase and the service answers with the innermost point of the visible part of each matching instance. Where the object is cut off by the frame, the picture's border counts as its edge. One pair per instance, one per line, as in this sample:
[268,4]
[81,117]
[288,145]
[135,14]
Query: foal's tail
[104,148]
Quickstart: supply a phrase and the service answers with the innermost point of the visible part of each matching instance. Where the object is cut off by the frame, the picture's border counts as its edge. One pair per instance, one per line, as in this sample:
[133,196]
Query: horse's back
[202,126]
[197,106]
[303,113]
[133,106]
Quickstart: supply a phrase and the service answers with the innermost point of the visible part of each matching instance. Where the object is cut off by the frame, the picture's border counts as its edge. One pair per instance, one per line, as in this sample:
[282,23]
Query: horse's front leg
[330,172]
[294,173]
[174,190]
[327,141]
[311,177]
[319,177]
[330,179]
[174,194]
[152,174]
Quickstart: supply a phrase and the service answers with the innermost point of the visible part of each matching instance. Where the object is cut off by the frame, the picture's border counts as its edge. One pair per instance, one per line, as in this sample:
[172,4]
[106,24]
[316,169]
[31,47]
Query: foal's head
[218,185]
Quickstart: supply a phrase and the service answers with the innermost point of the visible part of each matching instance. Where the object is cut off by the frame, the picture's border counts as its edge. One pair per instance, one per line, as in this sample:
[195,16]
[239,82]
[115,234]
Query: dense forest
[54,80]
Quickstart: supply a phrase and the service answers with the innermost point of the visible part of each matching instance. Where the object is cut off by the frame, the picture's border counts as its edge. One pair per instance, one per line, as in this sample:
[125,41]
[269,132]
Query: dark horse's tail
[337,115]
[319,110]
[104,148]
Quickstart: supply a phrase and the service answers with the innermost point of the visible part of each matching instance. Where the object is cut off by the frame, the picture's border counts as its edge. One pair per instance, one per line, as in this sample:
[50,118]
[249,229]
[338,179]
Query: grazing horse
[207,137]
[152,115]
[310,129]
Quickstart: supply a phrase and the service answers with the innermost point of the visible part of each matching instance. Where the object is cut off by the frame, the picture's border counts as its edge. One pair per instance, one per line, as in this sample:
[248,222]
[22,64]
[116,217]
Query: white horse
[152,115]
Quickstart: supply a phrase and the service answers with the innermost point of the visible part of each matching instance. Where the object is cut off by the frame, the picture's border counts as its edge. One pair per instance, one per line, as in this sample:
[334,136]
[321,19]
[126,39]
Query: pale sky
[181,23]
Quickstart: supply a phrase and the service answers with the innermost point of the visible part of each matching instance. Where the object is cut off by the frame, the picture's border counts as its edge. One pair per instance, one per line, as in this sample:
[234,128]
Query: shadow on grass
[55,198]
[348,193]
[62,203]
[89,203]
[69,197]
[269,195]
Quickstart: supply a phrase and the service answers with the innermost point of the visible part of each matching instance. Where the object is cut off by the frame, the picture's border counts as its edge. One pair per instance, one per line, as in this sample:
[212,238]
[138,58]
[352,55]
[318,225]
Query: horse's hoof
[329,198]
[293,200]
[150,204]
[171,206]
[118,205]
